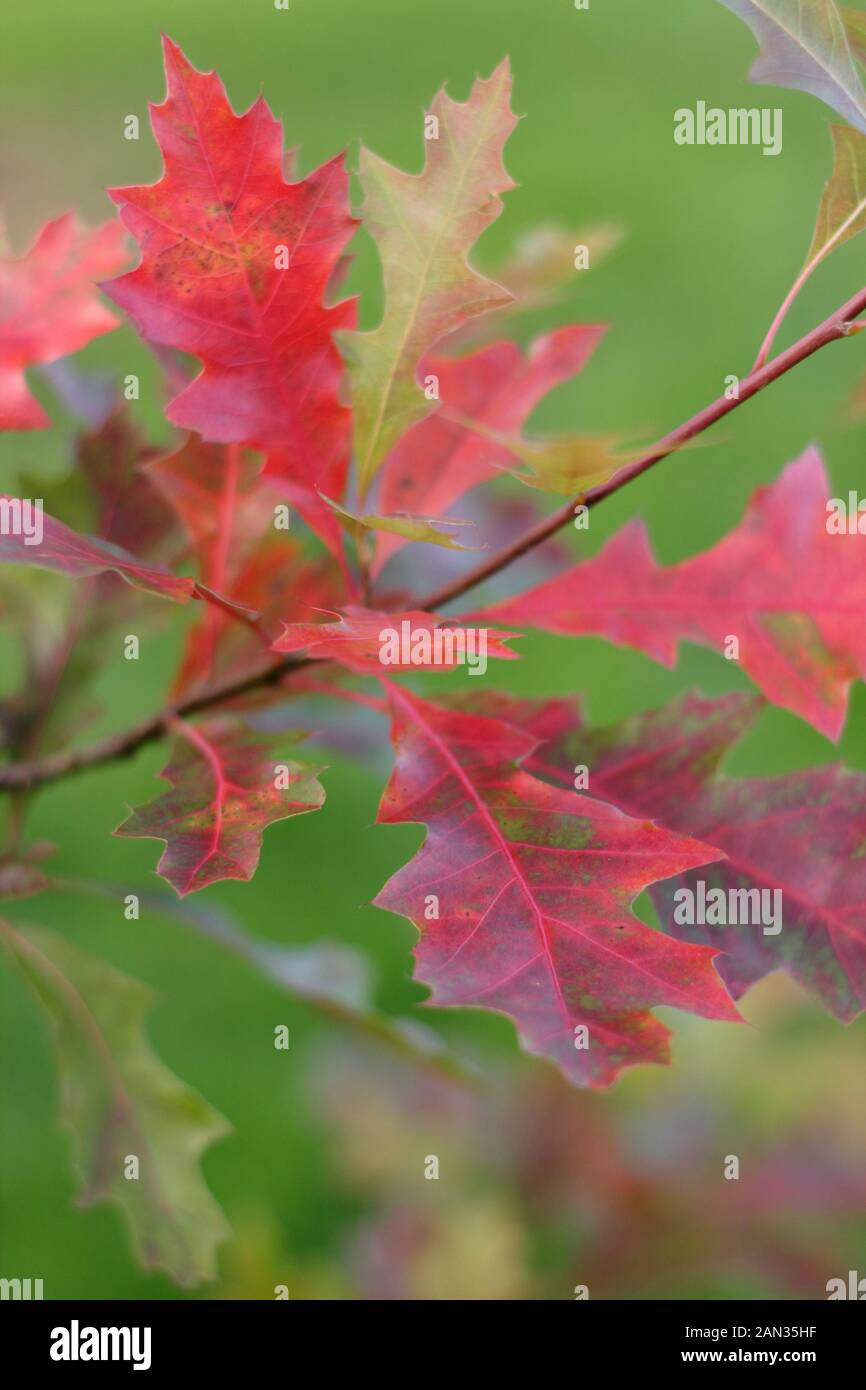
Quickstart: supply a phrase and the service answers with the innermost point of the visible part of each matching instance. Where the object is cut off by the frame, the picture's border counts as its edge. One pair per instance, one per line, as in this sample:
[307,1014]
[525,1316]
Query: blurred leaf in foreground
[119,1102]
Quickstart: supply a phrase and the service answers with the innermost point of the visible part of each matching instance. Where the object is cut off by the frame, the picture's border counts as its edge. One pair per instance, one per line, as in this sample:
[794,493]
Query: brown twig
[838,325]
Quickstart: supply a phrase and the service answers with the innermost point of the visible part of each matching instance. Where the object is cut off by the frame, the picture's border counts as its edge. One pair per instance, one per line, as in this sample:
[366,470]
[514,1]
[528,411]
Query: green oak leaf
[118,1099]
[841,215]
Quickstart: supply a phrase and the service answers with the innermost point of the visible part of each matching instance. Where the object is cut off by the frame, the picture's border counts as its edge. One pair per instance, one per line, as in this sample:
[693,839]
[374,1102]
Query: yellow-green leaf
[424,226]
[841,215]
[842,212]
[568,464]
[433,530]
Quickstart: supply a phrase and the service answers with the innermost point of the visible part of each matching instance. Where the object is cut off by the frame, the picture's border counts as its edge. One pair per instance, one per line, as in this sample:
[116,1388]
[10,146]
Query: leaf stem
[781,315]
[821,255]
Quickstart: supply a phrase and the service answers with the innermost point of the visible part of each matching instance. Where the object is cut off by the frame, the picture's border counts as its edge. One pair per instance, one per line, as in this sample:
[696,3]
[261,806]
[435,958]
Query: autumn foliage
[315,467]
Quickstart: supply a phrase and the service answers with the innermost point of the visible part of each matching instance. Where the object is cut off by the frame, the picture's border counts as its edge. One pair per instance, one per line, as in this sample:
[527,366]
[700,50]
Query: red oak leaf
[235,267]
[228,510]
[49,306]
[439,459]
[801,834]
[366,640]
[791,593]
[227,786]
[276,577]
[58,548]
[532,887]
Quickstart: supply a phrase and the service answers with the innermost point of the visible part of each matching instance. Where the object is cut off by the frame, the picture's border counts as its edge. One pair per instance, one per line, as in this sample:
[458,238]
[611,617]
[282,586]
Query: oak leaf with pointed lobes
[424,226]
[50,306]
[235,265]
[801,834]
[226,788]
[855,30]
[357,640]
[496,388]
[804,45]
[534,886]
[790,591]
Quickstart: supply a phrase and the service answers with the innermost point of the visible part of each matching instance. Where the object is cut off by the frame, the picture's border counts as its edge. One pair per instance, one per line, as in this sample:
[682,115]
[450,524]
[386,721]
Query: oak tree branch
[120,745]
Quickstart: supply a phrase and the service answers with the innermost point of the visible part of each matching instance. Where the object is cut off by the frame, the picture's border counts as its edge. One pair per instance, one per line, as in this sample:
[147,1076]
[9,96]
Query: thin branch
[128,741]
[839,325]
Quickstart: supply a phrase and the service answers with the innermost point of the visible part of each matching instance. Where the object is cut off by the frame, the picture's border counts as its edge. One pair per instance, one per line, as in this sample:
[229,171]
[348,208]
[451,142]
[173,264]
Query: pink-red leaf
[359,637]
[532,886]
[226,788]
[790,592]
[227,506]
[49,306]
[803,834]
[235,267]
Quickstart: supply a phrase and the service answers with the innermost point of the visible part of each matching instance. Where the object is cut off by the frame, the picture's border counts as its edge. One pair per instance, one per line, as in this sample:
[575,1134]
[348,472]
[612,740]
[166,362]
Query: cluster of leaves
[294,407]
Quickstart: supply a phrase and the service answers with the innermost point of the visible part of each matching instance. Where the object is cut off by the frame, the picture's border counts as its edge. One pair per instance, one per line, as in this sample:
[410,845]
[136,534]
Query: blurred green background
[323,1175]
